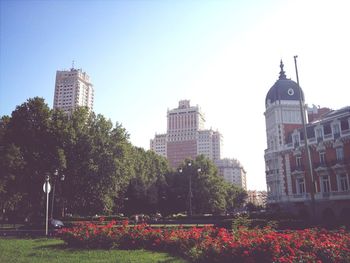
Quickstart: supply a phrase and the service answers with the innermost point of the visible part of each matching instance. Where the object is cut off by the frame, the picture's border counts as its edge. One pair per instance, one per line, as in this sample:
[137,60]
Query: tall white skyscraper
[73,89]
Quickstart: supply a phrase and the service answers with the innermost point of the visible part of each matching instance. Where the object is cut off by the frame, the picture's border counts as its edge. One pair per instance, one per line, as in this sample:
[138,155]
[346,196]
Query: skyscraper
[73,89]
[186,136]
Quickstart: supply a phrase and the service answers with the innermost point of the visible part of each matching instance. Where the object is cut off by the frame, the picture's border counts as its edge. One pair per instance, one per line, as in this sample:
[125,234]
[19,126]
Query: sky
[143,56]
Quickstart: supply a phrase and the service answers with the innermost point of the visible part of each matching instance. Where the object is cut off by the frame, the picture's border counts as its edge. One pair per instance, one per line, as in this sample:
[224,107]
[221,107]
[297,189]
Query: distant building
[72,89]
[209,144]
[232,171]
[186,136]
[289,182]
[158,144]
[257,198]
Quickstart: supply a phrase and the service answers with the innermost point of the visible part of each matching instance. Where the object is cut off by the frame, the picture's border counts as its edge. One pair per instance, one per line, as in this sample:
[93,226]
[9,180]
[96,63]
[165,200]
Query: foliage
[210,192]
[211,244]
[97,159]
[104,172]
[146,189]
[241,221]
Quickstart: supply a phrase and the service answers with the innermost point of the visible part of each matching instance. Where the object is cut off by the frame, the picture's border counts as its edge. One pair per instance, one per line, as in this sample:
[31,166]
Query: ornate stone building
[290,185]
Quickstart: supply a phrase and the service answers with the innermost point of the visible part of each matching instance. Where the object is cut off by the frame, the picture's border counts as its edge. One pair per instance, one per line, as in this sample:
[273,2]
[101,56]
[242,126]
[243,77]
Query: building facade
[73,89]
[325,191]
[186,136]
[257,198]
[232,171]
[158,144]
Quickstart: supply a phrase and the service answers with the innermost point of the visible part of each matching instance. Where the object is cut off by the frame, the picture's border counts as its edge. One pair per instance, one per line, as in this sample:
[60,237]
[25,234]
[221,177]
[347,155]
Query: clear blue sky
[144,56]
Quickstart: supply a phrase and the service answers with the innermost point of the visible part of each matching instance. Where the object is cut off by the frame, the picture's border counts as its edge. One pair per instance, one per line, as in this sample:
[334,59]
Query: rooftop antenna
[73,64]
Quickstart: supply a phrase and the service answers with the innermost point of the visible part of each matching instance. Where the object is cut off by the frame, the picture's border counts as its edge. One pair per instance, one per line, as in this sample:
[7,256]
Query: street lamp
[53,190]
[189,164]
[47,188]
[62,179]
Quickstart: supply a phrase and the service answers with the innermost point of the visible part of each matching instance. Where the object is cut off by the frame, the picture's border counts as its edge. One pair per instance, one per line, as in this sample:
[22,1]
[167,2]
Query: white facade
[72,89]
[233,172]
[257,198]
[184,122]
[158,144]
[209,144]
[282,115]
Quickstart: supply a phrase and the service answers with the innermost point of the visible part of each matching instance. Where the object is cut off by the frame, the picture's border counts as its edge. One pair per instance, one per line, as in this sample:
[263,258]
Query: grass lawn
[54,250]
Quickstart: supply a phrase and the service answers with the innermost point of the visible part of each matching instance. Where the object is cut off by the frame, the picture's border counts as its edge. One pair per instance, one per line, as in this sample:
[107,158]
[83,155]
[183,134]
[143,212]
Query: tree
[28,154]
[210,192]
[97,167]
[94,156]
[235,198]
[147,188]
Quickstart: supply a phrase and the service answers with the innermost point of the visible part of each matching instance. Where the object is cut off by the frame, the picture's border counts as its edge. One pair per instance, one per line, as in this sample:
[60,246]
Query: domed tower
[282,116]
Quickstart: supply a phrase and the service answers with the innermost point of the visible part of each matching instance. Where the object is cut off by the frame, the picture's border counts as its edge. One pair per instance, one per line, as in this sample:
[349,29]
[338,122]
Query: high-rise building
[158,144]
[257,198]
[232,171]
[72,89]
[186,136]
[290,184]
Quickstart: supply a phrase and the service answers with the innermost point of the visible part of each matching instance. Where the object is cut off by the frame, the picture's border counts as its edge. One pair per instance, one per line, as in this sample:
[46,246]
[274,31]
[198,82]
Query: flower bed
[211,244]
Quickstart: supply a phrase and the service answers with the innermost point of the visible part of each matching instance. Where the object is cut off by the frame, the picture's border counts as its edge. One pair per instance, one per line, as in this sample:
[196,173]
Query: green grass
[54,250]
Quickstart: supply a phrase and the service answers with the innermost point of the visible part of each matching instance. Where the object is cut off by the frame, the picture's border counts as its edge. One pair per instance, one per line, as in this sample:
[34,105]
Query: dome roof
[283,89]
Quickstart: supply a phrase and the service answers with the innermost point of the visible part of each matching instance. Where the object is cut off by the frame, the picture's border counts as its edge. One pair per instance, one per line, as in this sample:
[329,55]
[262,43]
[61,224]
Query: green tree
[94,156]
[97,163]
[28,154]
[146,191]
[235,198]
[210,192]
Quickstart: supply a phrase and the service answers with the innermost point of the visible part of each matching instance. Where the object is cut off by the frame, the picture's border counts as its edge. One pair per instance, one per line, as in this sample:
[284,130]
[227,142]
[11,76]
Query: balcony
[341,195]
[298,169]
[336,135]
[301,196]
[272,172]
[273,198]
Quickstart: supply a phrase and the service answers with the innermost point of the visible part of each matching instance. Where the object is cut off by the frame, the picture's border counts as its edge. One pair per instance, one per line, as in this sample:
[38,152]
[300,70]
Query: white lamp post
[47,189]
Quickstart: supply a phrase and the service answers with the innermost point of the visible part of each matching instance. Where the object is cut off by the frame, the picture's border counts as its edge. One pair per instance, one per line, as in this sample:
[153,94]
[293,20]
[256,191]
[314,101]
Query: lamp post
[47,188]
[53,190]
[189,164]
[63,209]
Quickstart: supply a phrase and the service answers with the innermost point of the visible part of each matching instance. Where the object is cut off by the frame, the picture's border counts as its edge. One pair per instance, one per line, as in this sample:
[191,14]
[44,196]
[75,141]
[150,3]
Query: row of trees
[104,172]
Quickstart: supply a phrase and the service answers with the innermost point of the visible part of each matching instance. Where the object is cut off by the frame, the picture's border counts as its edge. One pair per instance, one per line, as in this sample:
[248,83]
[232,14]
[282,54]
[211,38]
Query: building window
[322,158]
[325,184]
[336,130]
[300,185]
[298,161]
[319,134]
[296,140]
[340,153]
[343,182]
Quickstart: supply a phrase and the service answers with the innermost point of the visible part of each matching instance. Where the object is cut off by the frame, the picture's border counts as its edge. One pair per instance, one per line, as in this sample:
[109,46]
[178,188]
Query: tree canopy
[104,172]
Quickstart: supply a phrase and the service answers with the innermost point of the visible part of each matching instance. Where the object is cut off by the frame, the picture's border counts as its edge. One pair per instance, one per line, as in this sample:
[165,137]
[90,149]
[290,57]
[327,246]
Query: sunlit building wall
[73,88]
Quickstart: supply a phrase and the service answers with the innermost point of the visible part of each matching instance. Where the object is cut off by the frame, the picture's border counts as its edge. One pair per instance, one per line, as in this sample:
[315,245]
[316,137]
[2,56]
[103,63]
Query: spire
[282,72]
